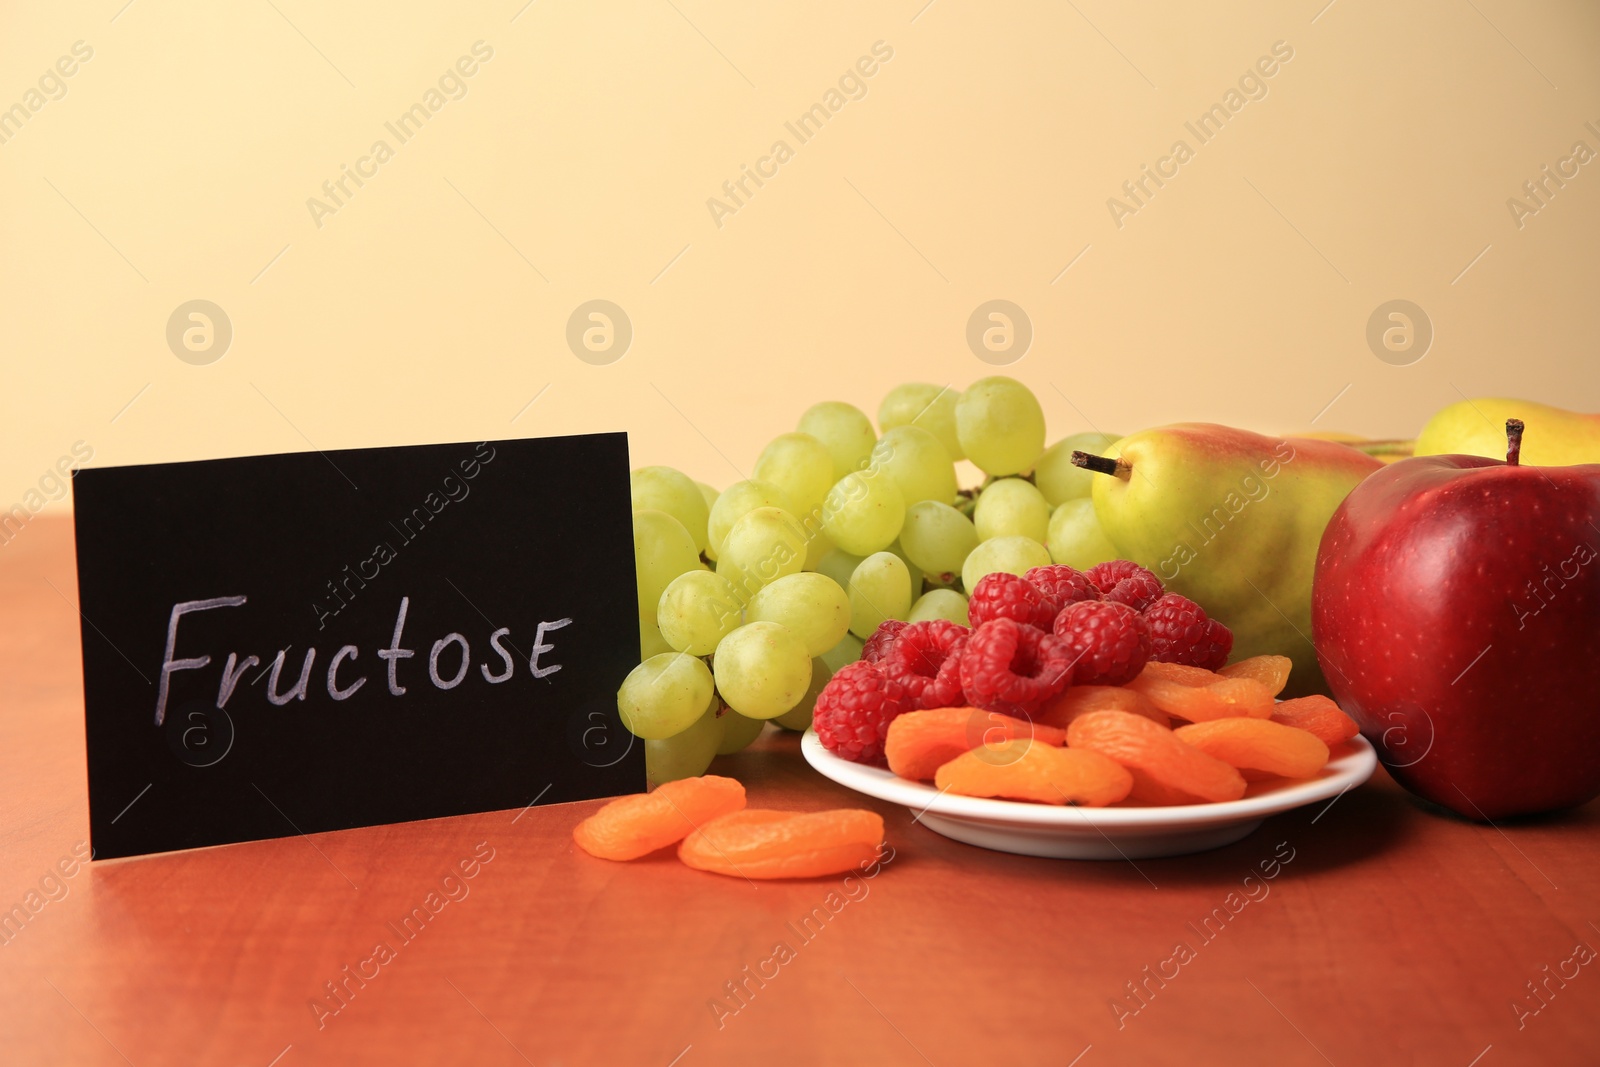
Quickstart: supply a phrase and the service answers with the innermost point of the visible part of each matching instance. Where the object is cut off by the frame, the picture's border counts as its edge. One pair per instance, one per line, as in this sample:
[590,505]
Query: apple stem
[1513,442]
[1119,467]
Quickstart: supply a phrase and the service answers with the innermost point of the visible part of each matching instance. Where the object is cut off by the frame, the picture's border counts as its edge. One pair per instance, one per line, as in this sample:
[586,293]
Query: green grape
[863,512]
[931,407]
[1001,426]
[662,550]
[937,538]
[814,607]
[879,589]
[664,695]
[736,501]
[1011,506]
[844,430]
[1018,555]
[1055,474]
[738,732]
[838,565]
[651,643]
[818,547]
[1076,538]
[940,604]
[665,489]
[846,652]
[709,494]
[696,611]
[920,466]
[801,466]
[911,568]
[684,755]
[762,670]
[763,546]
[798,718]
[817,542]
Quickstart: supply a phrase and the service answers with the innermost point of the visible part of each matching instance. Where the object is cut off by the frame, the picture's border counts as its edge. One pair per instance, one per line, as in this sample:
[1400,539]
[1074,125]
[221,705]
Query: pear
[1231,520]
[1553,438]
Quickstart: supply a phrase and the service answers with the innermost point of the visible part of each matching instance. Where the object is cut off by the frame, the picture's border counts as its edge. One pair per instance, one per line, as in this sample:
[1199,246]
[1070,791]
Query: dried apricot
[1180,672]
[1024,770]
[1076,700]
[636,825]
[1270,671]
[1258,745]
[1317,715]
[1198,695]
[759,843]
[920,742]
[1165,769]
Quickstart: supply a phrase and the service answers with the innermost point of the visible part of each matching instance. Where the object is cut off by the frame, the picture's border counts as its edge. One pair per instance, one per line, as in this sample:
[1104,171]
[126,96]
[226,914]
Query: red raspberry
[1012,668]
[1066,585]
[1180,632]
[926,659]
[853,712]
[1110,642]
[882,640]
[1126,583]
[1005,596]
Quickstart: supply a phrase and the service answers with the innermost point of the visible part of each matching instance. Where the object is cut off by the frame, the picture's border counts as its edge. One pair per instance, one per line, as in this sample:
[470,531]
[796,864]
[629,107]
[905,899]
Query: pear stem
[1513,442]
[1118,467]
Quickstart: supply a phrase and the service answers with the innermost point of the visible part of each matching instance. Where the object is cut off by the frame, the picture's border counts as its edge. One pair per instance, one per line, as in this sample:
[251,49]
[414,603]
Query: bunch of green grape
[751,598]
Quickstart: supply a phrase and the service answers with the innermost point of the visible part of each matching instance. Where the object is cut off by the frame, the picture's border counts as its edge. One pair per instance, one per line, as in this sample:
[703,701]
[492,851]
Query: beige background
[433,305]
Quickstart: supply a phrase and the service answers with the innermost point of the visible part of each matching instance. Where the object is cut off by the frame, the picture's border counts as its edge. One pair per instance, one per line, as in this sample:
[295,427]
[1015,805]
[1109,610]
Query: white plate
[1069,832]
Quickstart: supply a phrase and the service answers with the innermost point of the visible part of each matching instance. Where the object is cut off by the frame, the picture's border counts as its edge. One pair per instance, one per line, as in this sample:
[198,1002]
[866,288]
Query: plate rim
[1348,771]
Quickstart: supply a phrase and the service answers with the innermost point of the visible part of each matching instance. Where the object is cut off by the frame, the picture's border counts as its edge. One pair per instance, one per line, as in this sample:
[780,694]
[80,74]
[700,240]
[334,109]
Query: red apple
[1456,614]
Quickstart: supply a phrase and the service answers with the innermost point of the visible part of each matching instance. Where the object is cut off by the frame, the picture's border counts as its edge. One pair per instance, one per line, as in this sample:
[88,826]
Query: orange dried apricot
[1270,671]
[1076,700]
[1180,672]
[1024,770]
[1165,769]
[920,742]
[636,825]
[759,843]
[1317,715]
[1198,695]
[1258,745]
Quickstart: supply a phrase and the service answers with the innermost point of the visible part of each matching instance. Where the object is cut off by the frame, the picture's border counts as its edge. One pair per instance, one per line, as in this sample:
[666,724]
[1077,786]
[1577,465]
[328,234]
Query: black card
[242,673]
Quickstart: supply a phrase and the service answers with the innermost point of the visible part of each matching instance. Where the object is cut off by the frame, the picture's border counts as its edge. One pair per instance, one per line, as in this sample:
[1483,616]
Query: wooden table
[1392,934]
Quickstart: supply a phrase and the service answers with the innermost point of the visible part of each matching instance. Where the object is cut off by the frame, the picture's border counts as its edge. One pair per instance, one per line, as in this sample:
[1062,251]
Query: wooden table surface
[1391,934]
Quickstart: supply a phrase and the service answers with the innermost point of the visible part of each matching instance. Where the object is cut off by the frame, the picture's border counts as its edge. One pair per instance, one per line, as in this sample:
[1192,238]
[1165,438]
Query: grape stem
[1118,467]
[1513,442]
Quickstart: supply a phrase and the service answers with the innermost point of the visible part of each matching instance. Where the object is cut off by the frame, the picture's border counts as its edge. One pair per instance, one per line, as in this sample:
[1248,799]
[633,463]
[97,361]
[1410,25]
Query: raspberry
[1180,632]
[926,660]
[882,640]
[1001,595]
[1012,668]
[1110,642]
[1065,585]
[1125,583]
[853,712]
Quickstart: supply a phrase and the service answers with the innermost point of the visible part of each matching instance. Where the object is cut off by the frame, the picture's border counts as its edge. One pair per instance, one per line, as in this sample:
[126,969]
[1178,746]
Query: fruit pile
[707,818]
[1174,734]
[857,543]
[1031,638]
[750,599]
